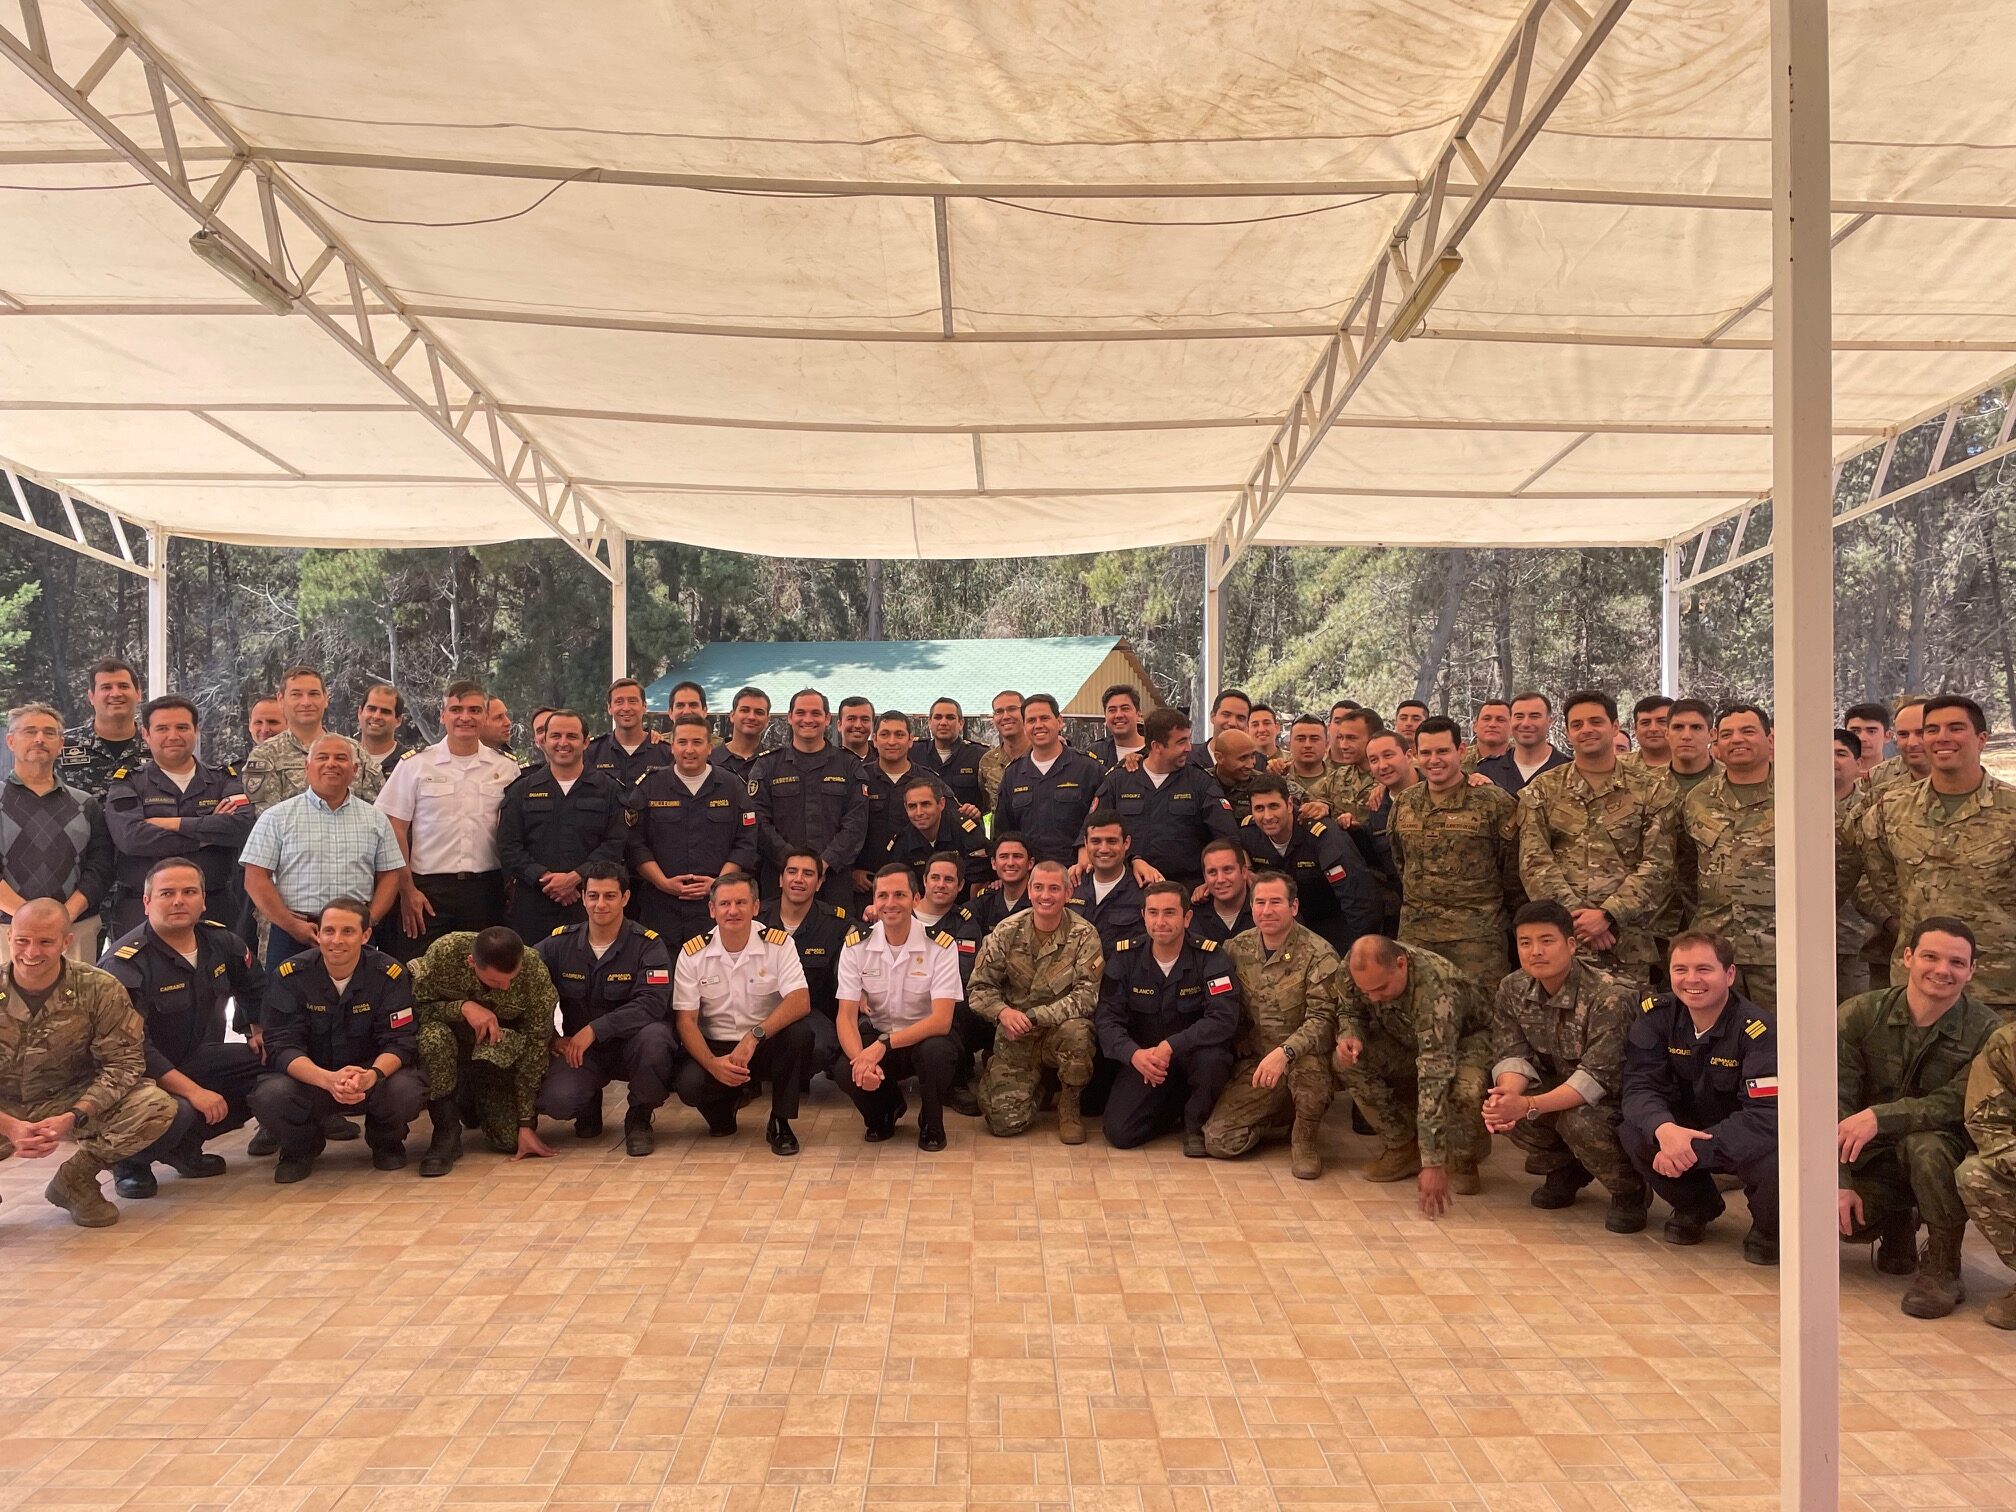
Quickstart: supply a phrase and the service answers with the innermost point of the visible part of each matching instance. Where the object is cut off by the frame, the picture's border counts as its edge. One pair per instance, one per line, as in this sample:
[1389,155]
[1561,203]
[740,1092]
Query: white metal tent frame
[292,257]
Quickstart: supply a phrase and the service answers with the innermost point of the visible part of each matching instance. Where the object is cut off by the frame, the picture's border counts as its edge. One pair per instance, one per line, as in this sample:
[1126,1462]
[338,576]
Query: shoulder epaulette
[213,924]
[406,756]
[853,937]
[230,769]
[967,826]
[394,970]
[1245,818]
[558,929]
[286,968]
[1755,1028]
[966,913]
[120,773]
[650,934]
[1647,1007]
[776,937]
[1204,942]
[1316,828]
[1123,944]
[694,946]
[838,911]
[944,938]
[127,952]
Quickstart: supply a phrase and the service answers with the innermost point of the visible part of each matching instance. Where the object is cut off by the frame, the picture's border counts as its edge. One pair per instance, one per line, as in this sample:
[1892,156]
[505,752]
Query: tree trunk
[1455,576]
[1503,626]
[874,630]
[1994,553]
[1923,542]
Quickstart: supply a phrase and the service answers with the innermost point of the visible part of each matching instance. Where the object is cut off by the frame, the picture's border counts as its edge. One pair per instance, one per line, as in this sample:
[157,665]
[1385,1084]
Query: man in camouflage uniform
[1281,1080]
[1987,1178]
[1036,979]
[1947,845]
[1346,789]
[1557,1046]
[485,1004]
[1726,847]
[110,739]
[277,768]
[1910,764]
[1856,938]
[1456,848]
[1413,1046]
[1905,1058]
[1012,744]
[72,1066]
[1596,836]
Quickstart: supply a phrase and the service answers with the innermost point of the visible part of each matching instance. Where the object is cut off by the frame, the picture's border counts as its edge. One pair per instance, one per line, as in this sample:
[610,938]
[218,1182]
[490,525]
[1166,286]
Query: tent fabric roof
[983,277]
[908,675]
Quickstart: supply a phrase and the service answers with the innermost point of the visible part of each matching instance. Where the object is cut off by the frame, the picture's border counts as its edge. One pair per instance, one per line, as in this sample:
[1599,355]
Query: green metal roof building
[909,675]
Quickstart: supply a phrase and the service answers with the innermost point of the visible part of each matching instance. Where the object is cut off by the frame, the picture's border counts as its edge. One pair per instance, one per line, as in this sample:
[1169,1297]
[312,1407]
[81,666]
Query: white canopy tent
[1024,277]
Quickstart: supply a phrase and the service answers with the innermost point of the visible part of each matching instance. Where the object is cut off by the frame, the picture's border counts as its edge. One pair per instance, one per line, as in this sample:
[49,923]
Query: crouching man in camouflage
[1987,1178]
[486,1013]
[1557,1046]
[1281,1083]
[1413,1042]
[1037,981]
[71,1065]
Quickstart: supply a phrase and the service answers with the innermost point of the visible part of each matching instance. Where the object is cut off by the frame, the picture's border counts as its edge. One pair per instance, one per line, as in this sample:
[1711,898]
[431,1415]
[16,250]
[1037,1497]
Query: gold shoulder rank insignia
[286,968]
[1245,818]
[694,946]
[776,937]
[650,934]
[838,911]
[1206,944]
[944,937]
[1123,944]
[394,969]
[119,774]
[127,952]
[853,937]
[1647,1008]
[230,770]
[558,929]
[967,826]
[1316,828]
[1754,1028]
[212,924]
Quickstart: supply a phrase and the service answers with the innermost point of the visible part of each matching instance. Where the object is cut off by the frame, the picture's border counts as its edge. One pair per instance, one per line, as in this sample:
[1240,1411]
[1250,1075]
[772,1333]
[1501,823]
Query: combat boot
[1937,1290]
[589,1124]
[637,1136]
[1070,1122]
[2001,1313]
[1561,1187]
[1305,1160]
[963,1100]
[1464,1178]
[1628,1212]
[1897,1245]
[445,1148]
[1395,1163]
[75,1189]
[134,1179]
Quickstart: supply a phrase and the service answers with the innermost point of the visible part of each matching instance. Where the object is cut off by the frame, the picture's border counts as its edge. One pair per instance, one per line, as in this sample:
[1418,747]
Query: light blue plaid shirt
[317,853]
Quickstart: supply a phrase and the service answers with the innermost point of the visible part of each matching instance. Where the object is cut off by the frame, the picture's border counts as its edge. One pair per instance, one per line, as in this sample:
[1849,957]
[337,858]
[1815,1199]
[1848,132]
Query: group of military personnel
[1171,931]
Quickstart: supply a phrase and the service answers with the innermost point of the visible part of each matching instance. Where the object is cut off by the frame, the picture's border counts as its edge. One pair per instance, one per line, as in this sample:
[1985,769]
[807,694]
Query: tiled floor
[1009,1324]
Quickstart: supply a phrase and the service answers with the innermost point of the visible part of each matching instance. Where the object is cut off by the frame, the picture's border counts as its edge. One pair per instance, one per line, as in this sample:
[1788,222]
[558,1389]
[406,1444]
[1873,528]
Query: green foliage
[14,626]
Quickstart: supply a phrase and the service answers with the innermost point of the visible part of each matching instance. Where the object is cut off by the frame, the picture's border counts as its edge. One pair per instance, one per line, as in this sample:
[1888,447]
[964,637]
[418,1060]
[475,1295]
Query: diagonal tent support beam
[297,262]
[1394,298]
[1983,421]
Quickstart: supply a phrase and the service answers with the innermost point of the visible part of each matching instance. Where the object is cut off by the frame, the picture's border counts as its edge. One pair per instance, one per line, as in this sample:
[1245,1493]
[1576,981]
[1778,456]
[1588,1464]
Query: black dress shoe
[721,1125]
[875,1133]
[262,1142]
[135,1181]
[782,1140]
[292,1168]
[589,1124]
[337,1129]
[391,1158]
[194,1163]
[1689,1228]
[931,1140]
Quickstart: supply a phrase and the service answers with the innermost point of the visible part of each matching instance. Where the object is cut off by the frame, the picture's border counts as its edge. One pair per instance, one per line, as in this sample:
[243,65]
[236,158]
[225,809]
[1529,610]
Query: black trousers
[643,1059]
[933,1062]
[293,1112]
[677,920]
[1695,1192]
[462,900]
[533,916]
[1137,1112]
[781,1060]
[229,1070]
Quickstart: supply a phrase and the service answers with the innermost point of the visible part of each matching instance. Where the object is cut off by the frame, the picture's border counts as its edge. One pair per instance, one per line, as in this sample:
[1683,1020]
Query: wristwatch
[79,1120]
[1532,1109]
[1289,1052]
[886,1040]
[758,1035]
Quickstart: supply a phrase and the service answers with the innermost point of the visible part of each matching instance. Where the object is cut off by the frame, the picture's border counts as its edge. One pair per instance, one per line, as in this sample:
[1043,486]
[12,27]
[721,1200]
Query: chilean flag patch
[1217,985]
[1335,874]
[657,977]
[748,817]
[1763,1086]
[968,947]
[401,1018]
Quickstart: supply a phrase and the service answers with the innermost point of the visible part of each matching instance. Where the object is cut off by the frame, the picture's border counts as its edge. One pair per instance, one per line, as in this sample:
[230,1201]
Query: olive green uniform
[1458,858]
[504,1074]
[1054,979]
[84,1046]
[1420,1077]
[1286,1001]
[1574,1038]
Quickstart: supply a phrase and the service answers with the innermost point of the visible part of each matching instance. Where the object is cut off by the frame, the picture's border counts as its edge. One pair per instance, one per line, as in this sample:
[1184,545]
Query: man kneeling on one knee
[614,978]
[1558,1028]
[1037,981]
[740,1000]
[1168,1008]
[1413,1041]
[340,1036]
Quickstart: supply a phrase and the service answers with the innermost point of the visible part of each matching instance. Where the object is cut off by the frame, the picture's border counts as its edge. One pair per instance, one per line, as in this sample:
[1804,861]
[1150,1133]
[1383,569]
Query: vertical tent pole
[619,604]
[157,611]
[1669,622]
[1809,1285]
[1211,665]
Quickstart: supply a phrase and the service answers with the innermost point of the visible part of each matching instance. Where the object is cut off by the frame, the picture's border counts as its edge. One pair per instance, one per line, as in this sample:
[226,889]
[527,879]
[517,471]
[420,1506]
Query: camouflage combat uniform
[1420,1078]
[1574,1038]
[1287,1001]
[992,766]
[1726,843]
[1347,789]
[505,1074]
[1987,1178]
[1602,842]
[1890,769]
[84,1047]
[1055,981]
[1857,942]
[1922,860]
[1915,1080]
[277,769]
[1458,859]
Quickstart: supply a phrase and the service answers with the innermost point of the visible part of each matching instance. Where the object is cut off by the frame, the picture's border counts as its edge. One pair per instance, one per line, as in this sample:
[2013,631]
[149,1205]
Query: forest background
[1920,606]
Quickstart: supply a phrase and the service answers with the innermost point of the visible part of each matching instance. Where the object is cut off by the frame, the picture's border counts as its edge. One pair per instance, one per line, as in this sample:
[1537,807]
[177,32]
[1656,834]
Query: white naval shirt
[895,984]
[451,802]
[734,992]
